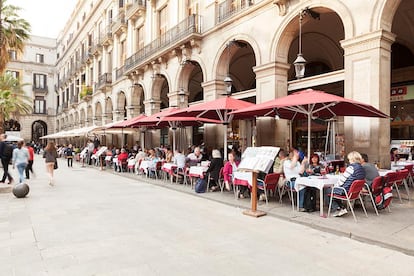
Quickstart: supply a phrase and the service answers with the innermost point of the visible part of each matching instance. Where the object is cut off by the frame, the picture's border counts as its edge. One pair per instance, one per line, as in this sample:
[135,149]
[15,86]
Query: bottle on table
[337,169]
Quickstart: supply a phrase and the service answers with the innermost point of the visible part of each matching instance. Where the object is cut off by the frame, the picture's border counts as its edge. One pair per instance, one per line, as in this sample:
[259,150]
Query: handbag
[55,166]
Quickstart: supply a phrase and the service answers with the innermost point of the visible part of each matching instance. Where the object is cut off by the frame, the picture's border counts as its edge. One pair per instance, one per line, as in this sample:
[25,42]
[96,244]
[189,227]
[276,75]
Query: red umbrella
[160,120]
[309,104]
[218,109]
[129,122]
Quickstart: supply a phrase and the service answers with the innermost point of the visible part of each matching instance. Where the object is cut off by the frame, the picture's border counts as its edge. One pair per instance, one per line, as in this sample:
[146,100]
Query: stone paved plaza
[100,223]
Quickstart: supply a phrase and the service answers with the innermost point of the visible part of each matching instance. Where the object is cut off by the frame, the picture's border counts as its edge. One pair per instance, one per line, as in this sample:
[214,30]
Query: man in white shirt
[194,157]
[293,169]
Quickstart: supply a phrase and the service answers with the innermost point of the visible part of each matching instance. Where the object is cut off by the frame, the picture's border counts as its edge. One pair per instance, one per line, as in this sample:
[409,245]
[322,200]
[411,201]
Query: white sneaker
[343,212]
[262,197]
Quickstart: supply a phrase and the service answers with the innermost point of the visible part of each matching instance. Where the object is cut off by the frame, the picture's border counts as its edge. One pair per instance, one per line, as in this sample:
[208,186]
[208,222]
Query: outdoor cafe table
[318,182]
[196,172]
[243,178]
[145,165]
[169,168]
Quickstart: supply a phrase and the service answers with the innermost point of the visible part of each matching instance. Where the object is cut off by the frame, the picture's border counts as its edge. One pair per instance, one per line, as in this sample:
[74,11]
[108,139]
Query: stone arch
[89,114]
[39,129]
[82,115]
[384,13]
[223,57]
[98,113]
[288,29]
[160,90]
[190,77]
[109,109]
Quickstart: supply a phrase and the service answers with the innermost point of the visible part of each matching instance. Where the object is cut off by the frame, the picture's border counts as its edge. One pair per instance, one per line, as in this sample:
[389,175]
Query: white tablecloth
[246,176]
[197,171]
[318,182]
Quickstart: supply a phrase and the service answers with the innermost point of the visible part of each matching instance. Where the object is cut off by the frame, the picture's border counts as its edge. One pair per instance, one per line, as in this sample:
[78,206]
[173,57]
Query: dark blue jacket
[354,171]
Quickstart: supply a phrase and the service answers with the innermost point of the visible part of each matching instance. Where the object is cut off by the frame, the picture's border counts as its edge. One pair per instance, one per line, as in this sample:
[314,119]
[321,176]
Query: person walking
[20,160]
[50,155]
[6,152]
[69,155]
[29,167]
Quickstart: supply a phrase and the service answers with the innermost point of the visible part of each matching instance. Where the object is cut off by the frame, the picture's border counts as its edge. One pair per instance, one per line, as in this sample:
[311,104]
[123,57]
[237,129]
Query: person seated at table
[353,172]
[168,155]
[370,170]
[179,159]
[213,170]
[394,155]
[293,169]
[229,167]
[141,155]
[122,158]
[195,157]
[314,167]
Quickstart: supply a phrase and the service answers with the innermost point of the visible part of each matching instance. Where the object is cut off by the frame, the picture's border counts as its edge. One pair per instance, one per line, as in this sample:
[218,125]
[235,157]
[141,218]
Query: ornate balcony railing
[120,72]
[184,30]
[104,80]
[135,9]
[229,8]
[119,25]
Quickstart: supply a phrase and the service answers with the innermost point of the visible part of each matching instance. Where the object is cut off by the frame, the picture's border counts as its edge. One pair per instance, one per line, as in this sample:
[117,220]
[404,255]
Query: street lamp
[228,82]
[300,61]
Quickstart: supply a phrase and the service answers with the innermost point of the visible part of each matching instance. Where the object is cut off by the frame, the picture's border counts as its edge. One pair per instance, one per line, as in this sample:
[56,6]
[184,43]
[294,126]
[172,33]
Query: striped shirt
[354,171]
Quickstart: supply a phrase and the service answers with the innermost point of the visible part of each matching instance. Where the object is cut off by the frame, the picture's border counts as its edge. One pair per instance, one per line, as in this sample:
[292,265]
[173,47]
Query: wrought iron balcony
[120,72]
[229,8]
[104,80]
[185,31]
[135,9]
[106,37]
[119,26]
[96,48]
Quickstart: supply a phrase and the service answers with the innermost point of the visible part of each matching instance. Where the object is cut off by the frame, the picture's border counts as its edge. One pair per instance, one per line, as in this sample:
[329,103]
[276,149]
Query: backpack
[383,199]
[8,151]
[200,186]
[309,203]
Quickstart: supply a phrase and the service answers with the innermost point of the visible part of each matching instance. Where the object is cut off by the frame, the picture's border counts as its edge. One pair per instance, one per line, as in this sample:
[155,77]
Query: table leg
[321,202]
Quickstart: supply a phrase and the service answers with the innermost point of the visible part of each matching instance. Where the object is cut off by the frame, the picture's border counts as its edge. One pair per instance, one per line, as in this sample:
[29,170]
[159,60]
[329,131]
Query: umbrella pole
[309,135]
[173,139]
[225,141]
[142,140]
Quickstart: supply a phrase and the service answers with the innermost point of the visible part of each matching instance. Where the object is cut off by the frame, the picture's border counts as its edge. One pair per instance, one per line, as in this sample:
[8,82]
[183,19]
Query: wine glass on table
[323,172]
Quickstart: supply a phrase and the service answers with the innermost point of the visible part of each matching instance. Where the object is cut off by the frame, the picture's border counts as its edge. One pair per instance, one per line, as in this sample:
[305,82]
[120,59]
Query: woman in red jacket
[230,166]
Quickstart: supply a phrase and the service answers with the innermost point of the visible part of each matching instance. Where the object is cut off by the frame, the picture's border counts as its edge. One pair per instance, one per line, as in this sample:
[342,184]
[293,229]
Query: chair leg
[372,199]
[406,189]
[292,199]
[330,204]
[398,191]
[352,210]
[363,206]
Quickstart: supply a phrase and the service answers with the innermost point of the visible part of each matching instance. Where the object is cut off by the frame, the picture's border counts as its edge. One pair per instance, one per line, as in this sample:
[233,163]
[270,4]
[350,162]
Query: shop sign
[402,93]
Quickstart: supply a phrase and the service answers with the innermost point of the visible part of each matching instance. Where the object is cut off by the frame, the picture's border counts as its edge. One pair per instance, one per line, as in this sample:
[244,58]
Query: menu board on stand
[255,160]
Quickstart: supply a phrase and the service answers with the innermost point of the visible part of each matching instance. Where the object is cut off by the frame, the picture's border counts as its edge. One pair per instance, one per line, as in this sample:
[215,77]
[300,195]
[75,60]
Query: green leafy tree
[14,31]
[13,101]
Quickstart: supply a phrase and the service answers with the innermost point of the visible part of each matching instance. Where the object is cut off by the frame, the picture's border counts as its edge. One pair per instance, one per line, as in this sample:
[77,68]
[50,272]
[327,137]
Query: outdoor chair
[269,183]
[401,181]
[131,165]
[290,190]
[155,170]
[123,165]
[353,194]
[374,190]
[410,178]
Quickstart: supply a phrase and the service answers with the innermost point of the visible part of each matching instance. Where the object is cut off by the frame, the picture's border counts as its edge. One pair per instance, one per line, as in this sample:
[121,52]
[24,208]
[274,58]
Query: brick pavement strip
[100,223]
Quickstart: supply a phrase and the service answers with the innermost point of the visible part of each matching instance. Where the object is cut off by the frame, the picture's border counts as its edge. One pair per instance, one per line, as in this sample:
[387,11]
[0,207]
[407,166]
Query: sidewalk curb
[337,232]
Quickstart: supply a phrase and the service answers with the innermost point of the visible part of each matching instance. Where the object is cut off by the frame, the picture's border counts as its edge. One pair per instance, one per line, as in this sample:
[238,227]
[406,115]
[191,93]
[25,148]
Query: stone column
[271,83]
[213,134]
[367,79]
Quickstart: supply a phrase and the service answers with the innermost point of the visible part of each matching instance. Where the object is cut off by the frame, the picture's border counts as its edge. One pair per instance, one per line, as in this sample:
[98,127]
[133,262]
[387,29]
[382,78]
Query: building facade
[117,59]
[35,68]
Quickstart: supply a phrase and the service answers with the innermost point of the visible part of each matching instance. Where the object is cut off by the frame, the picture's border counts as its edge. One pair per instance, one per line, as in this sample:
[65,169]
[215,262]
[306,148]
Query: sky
[47,17]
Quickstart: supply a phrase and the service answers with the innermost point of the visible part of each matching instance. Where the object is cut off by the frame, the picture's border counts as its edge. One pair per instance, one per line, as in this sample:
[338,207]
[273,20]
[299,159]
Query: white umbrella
[13,138]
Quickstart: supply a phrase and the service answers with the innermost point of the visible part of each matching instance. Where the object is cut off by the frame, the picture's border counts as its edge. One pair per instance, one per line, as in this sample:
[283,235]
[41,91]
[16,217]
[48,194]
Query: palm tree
[13,101]
[14,31]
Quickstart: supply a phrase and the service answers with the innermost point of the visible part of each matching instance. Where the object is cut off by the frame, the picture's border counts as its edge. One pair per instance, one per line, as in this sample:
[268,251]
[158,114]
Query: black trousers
[5,163]
[29,168]
[70,161]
